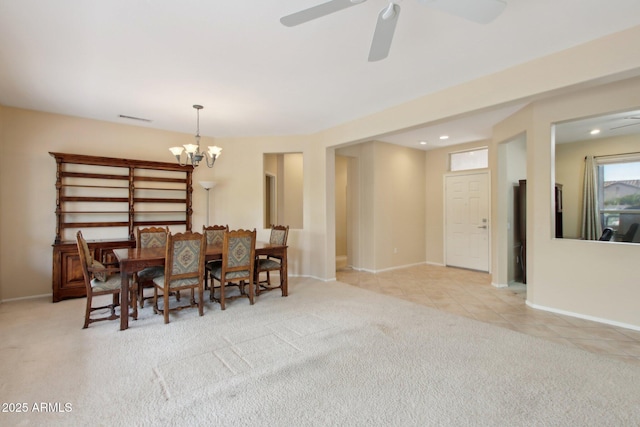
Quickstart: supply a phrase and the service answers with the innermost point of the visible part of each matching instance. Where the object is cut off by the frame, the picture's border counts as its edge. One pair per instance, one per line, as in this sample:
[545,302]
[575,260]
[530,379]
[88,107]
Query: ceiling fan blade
[383,35]
[318,11]
[480,11]
[625,126]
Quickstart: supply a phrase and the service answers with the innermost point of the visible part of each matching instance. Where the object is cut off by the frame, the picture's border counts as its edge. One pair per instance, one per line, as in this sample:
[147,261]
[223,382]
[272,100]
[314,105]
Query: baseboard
[367,270]
[438,264]
[25,298]
[341,262]
[583,316]
[331,279]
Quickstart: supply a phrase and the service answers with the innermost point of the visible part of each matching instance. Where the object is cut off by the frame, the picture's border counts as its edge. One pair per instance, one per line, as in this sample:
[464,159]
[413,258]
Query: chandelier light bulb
[193,154]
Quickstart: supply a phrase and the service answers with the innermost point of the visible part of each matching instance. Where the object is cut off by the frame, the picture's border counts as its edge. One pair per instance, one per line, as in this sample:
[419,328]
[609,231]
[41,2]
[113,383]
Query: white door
[467,221]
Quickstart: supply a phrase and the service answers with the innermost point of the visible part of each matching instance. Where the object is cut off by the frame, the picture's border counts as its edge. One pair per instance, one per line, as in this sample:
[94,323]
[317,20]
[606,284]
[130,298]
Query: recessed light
[444,137]
[595,132]
[423,142]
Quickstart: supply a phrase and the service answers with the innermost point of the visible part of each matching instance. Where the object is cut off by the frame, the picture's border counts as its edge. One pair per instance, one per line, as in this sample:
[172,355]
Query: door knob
[482,226]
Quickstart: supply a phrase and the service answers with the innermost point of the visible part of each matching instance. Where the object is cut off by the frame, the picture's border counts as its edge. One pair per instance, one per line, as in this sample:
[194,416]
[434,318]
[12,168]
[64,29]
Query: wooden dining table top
[212,252]
[132,260]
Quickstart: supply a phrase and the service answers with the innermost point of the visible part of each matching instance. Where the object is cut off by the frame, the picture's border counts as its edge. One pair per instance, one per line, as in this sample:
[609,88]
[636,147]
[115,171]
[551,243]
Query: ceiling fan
[480,11]
[628,124]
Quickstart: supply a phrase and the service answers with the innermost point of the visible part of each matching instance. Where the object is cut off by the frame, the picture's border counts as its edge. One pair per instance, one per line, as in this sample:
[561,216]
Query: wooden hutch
[107,198]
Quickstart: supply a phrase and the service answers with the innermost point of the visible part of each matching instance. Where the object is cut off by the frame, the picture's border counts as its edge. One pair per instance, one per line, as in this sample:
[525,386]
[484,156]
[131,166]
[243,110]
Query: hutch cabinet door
[67,273]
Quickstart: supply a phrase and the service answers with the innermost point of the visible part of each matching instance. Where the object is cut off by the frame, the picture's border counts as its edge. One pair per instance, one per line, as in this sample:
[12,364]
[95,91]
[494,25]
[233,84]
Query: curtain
[591,227]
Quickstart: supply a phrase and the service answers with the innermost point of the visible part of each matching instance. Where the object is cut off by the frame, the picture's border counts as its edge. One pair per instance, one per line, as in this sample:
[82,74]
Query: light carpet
[329,354]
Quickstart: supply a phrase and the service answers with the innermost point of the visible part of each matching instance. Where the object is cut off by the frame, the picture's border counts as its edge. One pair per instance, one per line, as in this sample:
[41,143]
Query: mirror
[283,189]
[614,142]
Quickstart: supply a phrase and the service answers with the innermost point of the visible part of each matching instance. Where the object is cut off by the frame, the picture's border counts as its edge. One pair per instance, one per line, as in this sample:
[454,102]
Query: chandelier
[194,155]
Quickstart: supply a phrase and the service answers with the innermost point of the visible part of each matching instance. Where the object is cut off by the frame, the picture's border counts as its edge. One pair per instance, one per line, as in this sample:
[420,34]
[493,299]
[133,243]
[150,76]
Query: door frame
[446,175]
[270,199]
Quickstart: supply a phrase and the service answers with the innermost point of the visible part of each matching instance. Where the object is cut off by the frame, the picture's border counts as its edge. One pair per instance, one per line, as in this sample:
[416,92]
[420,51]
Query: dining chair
[606,235]
[183,269]
[150,237]
[279,234]
[215,236]
[237,266]
[100,280]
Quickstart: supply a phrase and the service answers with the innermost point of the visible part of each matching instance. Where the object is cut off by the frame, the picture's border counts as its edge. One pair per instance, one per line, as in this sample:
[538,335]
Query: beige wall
[342,168]
[515,167]
[3,179]
[398,206]
[270,168]
[570,173]
[565,275]
[271,163]
[361,235]
[588,278]
[293,190]
[27,191]
[349,217]
[392,205]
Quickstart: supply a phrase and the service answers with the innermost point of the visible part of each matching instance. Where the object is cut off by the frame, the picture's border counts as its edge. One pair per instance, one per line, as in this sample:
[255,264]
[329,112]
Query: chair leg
[212,289]
[200,300]
[283,288]
[256,279]
[115,303]
[141,294]
[155,299]
[222,307]
[251,291]
[87,312]
[165,309]
[134,303]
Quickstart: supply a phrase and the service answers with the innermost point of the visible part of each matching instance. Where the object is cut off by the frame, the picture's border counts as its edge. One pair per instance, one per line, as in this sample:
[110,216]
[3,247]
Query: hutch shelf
[107,198]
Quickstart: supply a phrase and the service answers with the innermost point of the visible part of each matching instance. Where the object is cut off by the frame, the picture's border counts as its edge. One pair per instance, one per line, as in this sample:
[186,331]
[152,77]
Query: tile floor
[470,294]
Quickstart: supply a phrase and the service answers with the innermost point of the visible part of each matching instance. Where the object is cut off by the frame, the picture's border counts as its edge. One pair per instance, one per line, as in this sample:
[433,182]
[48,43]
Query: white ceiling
[154,59]
[607,126]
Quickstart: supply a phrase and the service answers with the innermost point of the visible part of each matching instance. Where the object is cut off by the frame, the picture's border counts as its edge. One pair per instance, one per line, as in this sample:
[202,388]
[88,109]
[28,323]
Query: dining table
[132,260]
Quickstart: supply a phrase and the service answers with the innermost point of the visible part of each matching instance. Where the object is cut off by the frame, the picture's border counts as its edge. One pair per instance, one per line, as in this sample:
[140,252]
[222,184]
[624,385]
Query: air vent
[140,119]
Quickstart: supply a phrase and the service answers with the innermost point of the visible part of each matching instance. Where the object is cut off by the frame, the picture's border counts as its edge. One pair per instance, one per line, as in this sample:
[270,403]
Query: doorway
[347,210]
[467,227]
[512,167]
[270,200]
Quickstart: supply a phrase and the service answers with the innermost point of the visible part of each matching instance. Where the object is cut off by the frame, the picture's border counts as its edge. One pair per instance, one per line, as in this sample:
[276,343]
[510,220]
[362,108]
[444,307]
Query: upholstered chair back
[215,234]
[152,237]
[279,235]
[185,256]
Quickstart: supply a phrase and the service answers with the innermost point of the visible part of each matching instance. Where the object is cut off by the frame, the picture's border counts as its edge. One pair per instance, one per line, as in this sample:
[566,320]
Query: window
[472,159]
[619,192]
